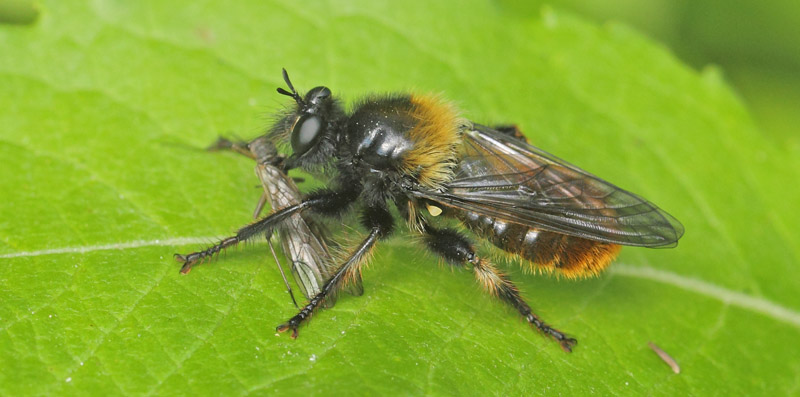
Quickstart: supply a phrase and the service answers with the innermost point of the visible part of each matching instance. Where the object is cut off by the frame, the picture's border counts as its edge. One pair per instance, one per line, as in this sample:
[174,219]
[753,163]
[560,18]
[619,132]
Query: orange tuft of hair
[572,257]
[436,136]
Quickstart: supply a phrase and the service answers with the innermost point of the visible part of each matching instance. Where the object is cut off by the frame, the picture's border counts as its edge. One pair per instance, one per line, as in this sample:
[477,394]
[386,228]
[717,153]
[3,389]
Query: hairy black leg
[263,151]
[324,201]
[243,234]
[456,249]
[380,223]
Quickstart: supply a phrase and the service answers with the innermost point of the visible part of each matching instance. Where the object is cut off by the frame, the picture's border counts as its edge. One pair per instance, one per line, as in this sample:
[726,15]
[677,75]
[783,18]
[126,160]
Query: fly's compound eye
[306,132]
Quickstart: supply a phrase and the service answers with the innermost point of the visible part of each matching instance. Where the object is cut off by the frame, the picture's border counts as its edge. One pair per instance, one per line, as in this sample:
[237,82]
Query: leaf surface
[105,107]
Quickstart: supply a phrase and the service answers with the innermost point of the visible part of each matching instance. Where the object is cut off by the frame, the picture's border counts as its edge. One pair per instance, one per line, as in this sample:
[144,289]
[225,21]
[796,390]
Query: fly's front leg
[243,234]
[380,223]
[456,249]
[324,201]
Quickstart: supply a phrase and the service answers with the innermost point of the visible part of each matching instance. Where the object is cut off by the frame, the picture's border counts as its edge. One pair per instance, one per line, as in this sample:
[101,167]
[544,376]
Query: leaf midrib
[748,302]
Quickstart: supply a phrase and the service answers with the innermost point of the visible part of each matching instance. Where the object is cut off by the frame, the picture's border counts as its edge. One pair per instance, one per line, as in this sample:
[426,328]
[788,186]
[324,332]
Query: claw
[565,341]
[186,268]
[187,264]
[286,326]
[568,344]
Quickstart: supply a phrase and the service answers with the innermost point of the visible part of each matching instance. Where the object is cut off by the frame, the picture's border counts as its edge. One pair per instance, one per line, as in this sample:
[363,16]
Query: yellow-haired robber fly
[416,153]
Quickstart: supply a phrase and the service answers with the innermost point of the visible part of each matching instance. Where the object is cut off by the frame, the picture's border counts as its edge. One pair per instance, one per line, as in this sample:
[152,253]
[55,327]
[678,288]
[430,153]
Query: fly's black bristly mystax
[416,153]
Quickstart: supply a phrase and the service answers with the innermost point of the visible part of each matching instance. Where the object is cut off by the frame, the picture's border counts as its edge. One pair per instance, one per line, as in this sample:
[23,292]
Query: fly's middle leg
[380,223]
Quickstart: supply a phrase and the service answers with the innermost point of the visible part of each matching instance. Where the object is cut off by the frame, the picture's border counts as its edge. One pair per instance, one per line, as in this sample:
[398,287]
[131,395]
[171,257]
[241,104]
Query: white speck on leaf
[313,357]
[549,17]
[69,379]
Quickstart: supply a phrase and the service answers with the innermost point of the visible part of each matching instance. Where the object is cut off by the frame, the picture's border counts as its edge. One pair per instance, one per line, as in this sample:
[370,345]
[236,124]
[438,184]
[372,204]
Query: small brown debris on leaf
[666,357]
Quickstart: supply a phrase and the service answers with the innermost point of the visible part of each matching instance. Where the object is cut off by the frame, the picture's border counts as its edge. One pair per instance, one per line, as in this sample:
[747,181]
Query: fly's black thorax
[377,134]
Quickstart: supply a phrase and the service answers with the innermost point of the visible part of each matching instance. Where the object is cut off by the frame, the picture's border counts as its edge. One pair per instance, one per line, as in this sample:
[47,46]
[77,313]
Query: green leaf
[104,107]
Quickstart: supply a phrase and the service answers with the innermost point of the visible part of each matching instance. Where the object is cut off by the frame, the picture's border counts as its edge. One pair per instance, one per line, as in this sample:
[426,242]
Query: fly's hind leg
[511,130]
[456,249]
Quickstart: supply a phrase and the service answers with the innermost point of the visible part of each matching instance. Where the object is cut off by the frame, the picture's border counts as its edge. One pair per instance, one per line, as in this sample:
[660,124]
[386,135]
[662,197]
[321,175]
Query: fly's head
[312,126]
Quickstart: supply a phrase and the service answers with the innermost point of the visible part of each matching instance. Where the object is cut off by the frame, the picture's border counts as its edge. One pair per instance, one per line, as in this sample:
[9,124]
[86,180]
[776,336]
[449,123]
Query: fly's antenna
[292,94]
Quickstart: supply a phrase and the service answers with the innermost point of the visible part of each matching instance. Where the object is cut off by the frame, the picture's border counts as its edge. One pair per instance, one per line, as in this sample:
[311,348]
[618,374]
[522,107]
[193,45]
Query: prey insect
[417,154]
[304,242]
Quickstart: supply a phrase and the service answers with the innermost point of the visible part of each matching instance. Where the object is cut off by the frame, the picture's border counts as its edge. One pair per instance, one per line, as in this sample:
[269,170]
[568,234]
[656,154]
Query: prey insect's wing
[503,177]
[302,240]
[306,250]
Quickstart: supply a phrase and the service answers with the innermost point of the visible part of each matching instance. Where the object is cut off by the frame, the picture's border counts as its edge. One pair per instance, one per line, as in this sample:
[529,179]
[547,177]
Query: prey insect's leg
[240,147]
[380,223]
[259,149]
[280,268]
[260,206]
[457,250]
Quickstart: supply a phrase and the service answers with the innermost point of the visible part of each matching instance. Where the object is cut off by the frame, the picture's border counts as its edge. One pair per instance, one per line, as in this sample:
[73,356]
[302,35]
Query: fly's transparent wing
[503,177]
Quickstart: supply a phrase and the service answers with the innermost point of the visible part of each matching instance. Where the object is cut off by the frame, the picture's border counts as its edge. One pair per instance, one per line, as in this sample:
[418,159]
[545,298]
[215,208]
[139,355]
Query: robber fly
[417,153]
[303,241]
